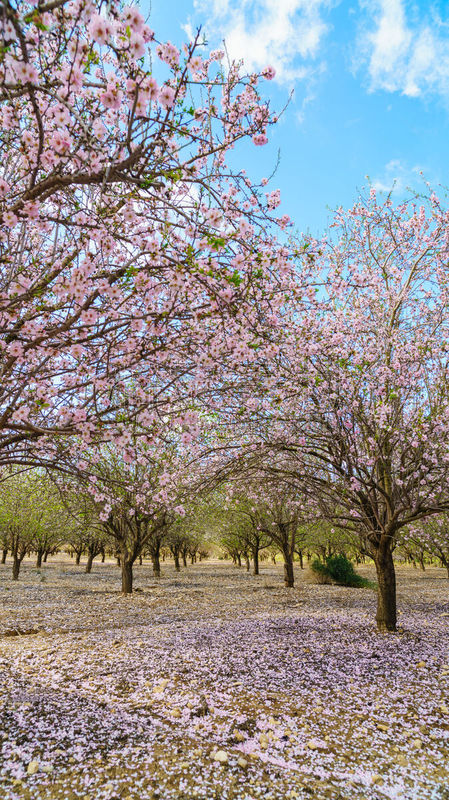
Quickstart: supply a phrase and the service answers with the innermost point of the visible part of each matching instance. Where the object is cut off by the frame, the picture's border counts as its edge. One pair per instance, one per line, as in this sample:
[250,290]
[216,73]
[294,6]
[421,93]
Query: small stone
[263,741]
[377,779]
[221,756]
[160,687]
[444,708]
[176,713]
[242,762]
[33,767]
[382,727]
[48,768]
[238,736]
[417,744]
[316,744]
[421,664]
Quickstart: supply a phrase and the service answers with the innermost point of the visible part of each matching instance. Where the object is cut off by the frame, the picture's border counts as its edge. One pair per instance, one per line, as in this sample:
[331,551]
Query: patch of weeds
[338,569]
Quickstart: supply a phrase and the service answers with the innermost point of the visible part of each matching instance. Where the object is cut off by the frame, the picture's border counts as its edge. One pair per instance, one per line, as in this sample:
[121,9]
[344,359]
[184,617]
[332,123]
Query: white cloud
[397,177]
[284,33]
[404,54]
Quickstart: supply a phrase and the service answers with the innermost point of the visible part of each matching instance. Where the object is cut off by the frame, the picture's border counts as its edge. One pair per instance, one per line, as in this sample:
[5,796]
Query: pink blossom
[166,97]
[268,73]
[100,29]
[136,45]
[10,219]
[4,187]
[260,139]
[131,16]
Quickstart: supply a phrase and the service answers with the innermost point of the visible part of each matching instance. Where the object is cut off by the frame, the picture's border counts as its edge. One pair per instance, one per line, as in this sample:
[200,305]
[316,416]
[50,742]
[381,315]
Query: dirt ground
[112,698]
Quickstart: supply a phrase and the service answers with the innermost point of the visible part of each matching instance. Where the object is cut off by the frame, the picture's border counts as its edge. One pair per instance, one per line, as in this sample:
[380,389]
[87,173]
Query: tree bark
[16,567]
[177,567]
[156,564]
[78,559]
[386,589]
[289,575]
[90,559]
[301,559]
[45,556]
[247,564]
[127,576]
[39,559]
[4,554]
[103,556]
[255,560]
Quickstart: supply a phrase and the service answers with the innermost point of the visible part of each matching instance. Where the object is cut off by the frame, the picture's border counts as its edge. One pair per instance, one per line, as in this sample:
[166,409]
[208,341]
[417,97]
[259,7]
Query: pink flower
[61,141]
[4,187]
[167,97]
[15,349]
[100,29]
[274,199]
[31,209]
[26,73]
[136,45]
[151,88]
[147,33]
[99,129]
[111,98]
[260,139]
[10,219]
[131,16]
[269,72]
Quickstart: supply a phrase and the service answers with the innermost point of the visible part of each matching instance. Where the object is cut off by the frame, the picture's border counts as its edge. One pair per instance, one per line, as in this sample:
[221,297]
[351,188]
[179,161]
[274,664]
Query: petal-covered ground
[213,684]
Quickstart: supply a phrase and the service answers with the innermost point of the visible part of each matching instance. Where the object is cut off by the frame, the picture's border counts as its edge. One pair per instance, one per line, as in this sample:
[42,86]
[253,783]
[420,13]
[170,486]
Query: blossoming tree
[359,395]
[133,258]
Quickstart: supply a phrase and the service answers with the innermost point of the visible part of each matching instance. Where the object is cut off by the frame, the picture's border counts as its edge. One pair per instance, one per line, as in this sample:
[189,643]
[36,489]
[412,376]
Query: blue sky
[371,91]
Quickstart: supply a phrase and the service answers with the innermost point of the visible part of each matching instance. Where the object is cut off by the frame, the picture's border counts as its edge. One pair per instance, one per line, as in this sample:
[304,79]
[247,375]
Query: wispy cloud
[405,52]
[285,33]
[398,178]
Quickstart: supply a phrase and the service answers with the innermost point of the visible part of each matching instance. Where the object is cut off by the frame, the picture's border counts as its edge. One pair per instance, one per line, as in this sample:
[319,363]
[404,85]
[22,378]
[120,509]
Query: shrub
[338,569]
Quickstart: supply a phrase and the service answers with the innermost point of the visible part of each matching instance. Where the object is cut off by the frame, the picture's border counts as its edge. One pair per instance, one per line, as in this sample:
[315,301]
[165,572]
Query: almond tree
[134,260]
[358,415]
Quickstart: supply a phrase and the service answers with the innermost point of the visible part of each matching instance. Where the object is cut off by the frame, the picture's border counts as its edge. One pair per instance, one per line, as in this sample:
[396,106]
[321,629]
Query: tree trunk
[140,560]
[90,559]
[4,554]
[301,559]
[103,556]
[247,564]
[78,559]
[16,567]
[289,575]
[184,559]
[386,590]
[255,560]
[118,560]
[127,576]
[156,564]
[45,556]
[239,560]
[39,559]
[177,567]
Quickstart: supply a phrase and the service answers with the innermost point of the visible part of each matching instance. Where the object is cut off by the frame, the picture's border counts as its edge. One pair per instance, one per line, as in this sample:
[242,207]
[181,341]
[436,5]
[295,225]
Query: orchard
[224,444]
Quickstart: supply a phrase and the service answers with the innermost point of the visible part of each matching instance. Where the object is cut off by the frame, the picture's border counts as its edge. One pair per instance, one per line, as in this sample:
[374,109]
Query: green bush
[339,570]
